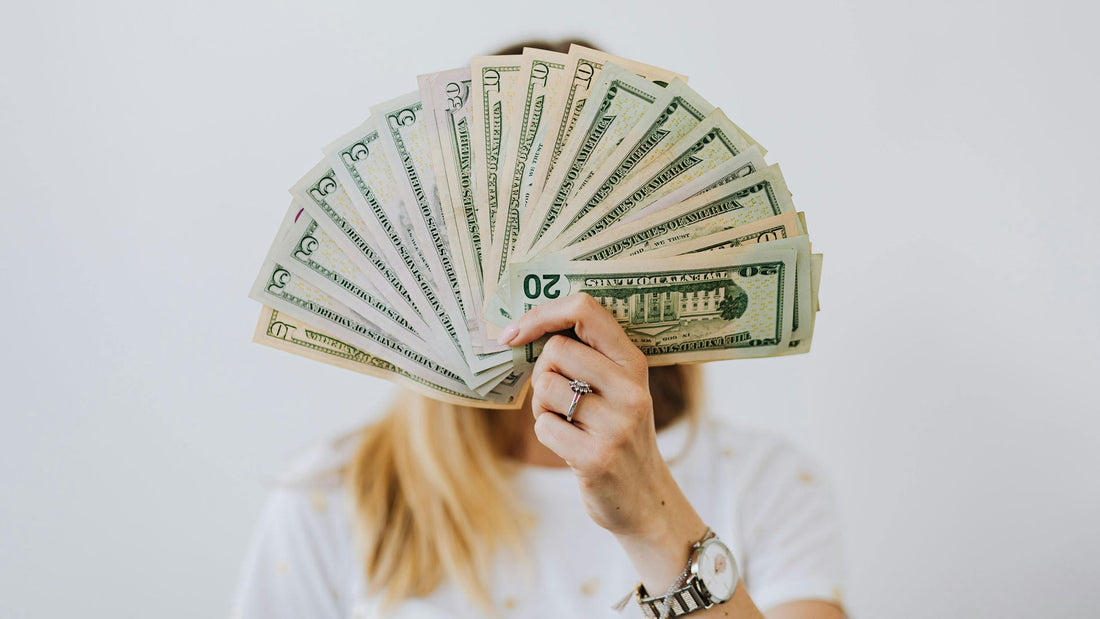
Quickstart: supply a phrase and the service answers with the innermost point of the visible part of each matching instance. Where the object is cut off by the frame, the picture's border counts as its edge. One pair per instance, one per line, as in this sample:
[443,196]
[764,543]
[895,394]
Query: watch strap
[681,602]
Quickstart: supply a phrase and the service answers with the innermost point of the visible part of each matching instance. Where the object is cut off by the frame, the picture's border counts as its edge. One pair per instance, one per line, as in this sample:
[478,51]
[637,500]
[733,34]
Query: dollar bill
[543,83]
[279,288]
[494,83]
[776,228]
[305,249]
[446,101]
[750,198]
[769,229]
[676,113]
[744,164]
[815,278]
[520,179]
[620,100]
[722,175]
[283,332]
[712,143]
[802,303]
[541,74]
[802,345]
[363,169]
[405,137]
[325,200]
[667,112]
[624,98]
[718,305]
[446,96]
[583,67]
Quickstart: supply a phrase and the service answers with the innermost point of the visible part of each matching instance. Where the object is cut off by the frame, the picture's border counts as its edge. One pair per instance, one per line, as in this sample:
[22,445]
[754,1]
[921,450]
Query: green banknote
[620,99]
[494,86]
[279,288]
[284,332]
[583,67]
[447,102]
[675,113]
[379,212]
[324,199]
[802,300]
[759,195]
[719,305]
[541,74]
[306,250]
[521,179]
[712,143]
[406,138]
[768,229]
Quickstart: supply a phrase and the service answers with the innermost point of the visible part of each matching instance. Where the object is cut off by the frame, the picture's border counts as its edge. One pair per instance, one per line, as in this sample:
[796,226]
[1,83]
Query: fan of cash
[519,179]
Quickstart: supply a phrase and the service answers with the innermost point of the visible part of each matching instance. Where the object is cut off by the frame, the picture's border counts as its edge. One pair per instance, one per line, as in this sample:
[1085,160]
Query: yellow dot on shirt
[590,586]
[282,568]
[805,477]
[728,452]
[838,594]
[318,500]
[510,603]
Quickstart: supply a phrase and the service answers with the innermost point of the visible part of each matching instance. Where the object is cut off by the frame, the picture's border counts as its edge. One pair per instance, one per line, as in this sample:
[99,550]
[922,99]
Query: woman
[470,513]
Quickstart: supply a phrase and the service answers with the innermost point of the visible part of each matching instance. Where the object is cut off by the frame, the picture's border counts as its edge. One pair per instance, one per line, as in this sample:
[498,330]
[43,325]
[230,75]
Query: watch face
[717,570]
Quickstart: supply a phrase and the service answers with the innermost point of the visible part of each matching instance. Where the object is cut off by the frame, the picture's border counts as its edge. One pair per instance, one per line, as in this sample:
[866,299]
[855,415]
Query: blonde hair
[430,484]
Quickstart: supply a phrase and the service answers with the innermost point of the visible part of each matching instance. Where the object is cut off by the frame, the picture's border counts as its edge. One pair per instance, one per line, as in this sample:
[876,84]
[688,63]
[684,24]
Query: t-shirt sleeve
[793,545]
[298,562]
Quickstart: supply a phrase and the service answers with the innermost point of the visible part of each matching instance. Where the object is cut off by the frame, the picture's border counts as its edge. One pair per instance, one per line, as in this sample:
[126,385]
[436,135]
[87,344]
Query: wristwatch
[712,579]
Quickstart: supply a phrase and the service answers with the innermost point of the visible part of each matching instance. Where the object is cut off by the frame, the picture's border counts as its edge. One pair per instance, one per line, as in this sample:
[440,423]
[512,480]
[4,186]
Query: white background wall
[945,152]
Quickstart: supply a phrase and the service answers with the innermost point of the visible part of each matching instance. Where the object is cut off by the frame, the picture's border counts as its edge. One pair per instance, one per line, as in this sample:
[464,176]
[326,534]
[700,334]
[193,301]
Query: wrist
[660,551]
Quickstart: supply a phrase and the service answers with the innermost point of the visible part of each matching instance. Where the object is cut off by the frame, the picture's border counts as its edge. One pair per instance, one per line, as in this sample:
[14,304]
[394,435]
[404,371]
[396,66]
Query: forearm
[660,554]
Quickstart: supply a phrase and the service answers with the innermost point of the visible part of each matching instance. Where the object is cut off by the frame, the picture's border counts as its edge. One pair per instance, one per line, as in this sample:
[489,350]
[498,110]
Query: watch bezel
[696,567]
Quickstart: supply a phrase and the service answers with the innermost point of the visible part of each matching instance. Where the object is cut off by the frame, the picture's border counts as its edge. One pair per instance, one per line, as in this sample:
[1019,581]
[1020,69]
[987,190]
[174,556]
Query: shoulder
[322,462]
[754,457]
[785,520]
[302,550]
[307,497]
[771,477]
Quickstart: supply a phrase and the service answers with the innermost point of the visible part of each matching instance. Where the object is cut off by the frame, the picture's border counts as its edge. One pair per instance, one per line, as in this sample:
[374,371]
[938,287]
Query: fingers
[563,438]
[552,394]
[593,324]
[575,360]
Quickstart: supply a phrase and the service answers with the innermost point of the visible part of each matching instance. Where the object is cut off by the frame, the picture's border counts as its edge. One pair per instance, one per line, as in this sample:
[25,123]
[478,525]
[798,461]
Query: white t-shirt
[762,498]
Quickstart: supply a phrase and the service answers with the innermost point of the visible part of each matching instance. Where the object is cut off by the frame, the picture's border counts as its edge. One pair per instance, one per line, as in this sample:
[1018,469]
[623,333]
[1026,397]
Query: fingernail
[508,334]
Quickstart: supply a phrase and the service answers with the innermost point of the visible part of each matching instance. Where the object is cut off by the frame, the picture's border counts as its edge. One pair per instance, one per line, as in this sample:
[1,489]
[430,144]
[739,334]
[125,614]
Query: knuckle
[556,345]
[544,428]
[636,399]
[540,427]
[533,316]
[603,457]
[580,302]
[544,382]
[595,460]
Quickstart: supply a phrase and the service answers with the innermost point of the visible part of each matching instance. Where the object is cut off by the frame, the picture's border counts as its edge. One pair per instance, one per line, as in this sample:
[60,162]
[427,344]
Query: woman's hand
[612,444]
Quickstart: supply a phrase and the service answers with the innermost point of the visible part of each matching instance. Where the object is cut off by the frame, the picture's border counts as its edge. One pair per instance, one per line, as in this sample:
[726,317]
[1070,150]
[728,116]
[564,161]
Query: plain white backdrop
[945,153]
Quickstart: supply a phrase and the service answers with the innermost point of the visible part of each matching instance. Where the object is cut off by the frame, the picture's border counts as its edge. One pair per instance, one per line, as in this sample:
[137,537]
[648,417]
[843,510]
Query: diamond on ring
[579,388]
